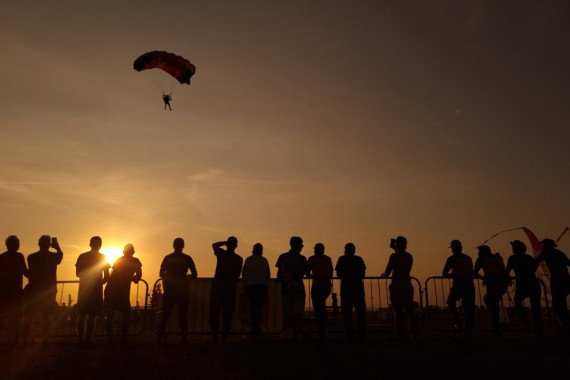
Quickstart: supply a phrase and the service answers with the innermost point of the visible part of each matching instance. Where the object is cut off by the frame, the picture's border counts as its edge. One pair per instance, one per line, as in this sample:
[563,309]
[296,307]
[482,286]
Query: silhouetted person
[557,263]
[256,274]
[401,289]
[351,271]
[12,271]
[166,98]
[527,284]
[224,287]
[126,269]
[42,286]
[459,267]
[320,270]
[173,271]
[92,269]
[291,268]
[495,280]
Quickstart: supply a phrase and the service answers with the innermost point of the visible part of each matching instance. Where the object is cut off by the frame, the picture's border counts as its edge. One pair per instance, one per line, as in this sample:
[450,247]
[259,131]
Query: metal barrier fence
[380,317]
[430,306]
[199,309]
[65,316]
[438,317]
[379,312]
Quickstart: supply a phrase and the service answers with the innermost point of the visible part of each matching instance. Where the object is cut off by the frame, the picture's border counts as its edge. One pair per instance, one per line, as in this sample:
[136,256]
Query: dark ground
[378,357]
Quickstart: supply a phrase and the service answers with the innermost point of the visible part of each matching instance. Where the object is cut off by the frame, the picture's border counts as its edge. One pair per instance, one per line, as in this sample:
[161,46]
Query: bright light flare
[112,253]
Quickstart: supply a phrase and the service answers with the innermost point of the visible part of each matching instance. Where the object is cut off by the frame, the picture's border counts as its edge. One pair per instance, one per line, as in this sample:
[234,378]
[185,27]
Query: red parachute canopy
[175,65]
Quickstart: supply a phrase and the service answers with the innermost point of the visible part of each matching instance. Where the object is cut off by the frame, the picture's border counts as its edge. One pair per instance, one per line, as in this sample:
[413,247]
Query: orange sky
[337,123]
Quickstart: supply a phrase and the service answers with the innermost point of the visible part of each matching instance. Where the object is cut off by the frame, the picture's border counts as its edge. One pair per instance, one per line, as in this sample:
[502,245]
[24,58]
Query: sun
[112,253]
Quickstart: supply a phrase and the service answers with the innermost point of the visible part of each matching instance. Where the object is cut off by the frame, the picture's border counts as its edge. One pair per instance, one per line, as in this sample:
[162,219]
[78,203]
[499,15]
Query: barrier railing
[380,317]
[65,315]
[430,305]
[199,309]
[379,312]
[438,316]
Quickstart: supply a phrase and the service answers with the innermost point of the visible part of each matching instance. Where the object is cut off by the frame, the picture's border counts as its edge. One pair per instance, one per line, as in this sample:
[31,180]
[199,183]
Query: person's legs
[167,305]
[89,326]
[298,310]
[126,314]
[319,298]
[215,311]
[346,304]
[360,306]
[80,327]
[229,302]
[468,304]
[109,316]
[491,300]
[255,309]
[182,305]
[451,303]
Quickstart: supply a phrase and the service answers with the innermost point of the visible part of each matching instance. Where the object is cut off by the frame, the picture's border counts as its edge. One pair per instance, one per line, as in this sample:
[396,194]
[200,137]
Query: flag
[533,241]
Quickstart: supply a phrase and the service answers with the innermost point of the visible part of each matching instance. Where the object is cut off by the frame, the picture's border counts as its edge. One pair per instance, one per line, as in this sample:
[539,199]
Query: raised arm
[217,247]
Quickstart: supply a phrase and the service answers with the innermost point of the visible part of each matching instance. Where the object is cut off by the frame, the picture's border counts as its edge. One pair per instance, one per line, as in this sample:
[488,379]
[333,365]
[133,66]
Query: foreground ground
[378,357]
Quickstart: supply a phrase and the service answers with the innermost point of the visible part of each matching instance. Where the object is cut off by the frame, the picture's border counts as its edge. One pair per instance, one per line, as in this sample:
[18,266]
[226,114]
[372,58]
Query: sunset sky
[337,121]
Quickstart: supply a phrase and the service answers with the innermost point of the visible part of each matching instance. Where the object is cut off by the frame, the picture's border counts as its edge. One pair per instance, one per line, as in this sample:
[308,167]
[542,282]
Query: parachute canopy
[175,65]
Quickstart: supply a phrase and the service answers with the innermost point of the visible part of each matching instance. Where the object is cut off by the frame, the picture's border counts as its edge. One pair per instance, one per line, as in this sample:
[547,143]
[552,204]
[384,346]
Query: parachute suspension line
[500,232]
[562,234]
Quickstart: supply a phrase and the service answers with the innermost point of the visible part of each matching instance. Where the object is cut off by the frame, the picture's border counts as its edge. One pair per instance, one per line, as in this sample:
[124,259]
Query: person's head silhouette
[95,243]
[12,243]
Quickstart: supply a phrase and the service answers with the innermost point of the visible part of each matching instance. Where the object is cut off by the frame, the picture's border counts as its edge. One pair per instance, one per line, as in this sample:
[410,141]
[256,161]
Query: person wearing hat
[527,284]
[459,267]
[494,279]
[557,263]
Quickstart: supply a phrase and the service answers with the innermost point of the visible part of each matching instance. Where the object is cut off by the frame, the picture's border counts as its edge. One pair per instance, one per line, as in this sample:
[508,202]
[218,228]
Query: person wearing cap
[459,267]
[557,263]
[494,279]
[527,284]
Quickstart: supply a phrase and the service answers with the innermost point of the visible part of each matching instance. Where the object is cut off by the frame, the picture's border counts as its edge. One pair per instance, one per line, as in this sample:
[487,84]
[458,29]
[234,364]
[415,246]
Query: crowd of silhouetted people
[20,307]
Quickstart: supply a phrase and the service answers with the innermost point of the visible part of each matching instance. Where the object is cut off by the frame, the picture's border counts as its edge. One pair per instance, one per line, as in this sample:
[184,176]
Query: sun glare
[112,253]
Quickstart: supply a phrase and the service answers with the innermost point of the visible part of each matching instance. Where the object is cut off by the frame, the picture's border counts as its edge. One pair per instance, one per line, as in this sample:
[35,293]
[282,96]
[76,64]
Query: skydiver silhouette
[167,98]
